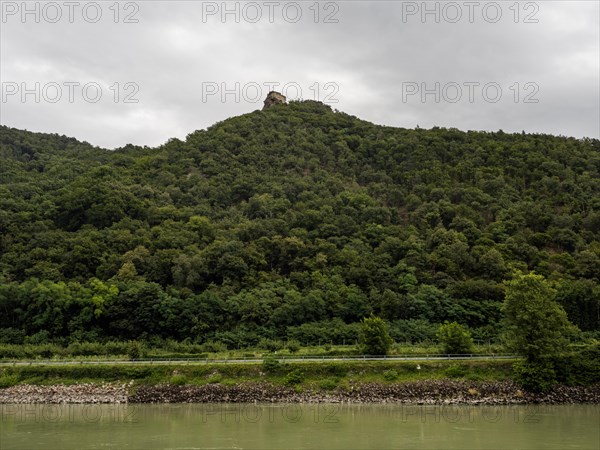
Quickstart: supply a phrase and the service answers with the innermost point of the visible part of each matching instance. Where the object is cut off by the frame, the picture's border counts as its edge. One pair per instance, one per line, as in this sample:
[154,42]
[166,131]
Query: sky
[142,72]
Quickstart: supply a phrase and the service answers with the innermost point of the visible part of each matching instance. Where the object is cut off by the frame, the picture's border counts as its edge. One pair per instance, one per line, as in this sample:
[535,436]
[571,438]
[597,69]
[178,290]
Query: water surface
[331,426]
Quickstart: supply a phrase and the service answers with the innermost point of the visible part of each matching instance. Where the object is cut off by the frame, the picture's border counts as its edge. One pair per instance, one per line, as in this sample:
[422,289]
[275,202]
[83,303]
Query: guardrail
[280,358]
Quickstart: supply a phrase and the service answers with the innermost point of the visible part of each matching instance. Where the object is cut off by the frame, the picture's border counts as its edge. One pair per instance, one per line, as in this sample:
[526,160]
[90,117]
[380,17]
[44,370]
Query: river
[305,426]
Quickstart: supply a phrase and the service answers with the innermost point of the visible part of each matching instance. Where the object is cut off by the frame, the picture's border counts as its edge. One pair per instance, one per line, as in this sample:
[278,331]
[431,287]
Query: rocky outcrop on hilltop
[273,98]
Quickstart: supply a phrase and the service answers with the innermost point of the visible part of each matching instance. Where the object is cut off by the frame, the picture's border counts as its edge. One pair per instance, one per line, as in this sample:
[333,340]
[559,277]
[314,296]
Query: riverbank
[425,382]
[424,392]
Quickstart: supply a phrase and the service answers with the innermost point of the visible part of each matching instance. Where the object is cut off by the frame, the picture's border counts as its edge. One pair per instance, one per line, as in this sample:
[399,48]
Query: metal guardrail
[282,358]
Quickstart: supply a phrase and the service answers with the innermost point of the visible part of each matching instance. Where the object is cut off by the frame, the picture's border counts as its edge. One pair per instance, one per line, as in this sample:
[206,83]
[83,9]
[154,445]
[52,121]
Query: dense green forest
[291,223]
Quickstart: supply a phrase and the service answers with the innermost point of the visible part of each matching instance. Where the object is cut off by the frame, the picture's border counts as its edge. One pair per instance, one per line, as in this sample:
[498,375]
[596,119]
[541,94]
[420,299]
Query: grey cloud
[369,54]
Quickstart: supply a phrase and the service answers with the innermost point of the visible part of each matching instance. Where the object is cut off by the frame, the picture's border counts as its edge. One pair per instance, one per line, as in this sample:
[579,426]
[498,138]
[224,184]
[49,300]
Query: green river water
[327,426]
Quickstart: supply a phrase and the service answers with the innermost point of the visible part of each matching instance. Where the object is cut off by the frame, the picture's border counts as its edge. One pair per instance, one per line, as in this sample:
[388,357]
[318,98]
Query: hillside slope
[293,222]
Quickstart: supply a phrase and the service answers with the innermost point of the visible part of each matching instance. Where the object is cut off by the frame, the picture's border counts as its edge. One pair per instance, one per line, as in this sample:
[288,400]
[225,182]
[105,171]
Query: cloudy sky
[145,71]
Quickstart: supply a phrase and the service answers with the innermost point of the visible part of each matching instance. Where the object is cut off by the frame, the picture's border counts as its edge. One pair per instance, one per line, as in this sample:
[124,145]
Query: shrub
[41,337]
[535,376]
[85,349]
[12,336]
[334,330]
[454,338]
[328,384]
[271,345]
[296,376]
[334,369]
[115,348]
[578,368]
[215,378]
[10,351]
[270,364]
[456,371]
[47,351]
[134,350]
[413,330]
[178,380]
[214,347]
[390,375]
[293,346]
[7,381]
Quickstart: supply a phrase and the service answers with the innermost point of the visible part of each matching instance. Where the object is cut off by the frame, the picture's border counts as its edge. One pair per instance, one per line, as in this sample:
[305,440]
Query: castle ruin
[273,98]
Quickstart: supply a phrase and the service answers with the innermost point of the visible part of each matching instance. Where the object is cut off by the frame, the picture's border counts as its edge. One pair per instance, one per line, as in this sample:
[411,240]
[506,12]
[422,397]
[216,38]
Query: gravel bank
[428,392]
[419,392]
[60,393]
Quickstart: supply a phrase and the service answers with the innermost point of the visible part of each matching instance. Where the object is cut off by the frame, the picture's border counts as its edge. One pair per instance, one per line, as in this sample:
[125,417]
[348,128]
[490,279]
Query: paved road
[259,360]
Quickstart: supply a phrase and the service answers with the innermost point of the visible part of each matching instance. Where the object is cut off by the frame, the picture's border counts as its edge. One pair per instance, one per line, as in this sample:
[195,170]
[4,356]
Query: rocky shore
[61,393]
[419,392]
[429,392]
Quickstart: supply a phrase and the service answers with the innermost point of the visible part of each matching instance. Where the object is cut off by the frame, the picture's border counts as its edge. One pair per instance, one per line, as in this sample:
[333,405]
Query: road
[259,360]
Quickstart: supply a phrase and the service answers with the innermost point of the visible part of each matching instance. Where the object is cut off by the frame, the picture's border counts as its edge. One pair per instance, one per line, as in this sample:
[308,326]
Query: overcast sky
[165,69]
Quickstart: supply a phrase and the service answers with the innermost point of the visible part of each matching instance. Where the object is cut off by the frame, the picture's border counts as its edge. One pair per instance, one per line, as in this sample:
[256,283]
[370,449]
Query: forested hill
[294,222]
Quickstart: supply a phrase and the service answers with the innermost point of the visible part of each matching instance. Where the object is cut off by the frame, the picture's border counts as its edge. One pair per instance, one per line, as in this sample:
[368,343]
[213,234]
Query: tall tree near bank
[374,336]
[537,326]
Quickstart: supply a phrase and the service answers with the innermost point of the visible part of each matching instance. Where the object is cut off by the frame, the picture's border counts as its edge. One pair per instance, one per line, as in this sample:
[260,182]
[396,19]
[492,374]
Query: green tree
[374,336]
[536,325]
[454,338]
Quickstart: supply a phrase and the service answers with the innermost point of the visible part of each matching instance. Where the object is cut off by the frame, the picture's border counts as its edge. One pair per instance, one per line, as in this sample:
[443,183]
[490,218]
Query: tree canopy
[295,222]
